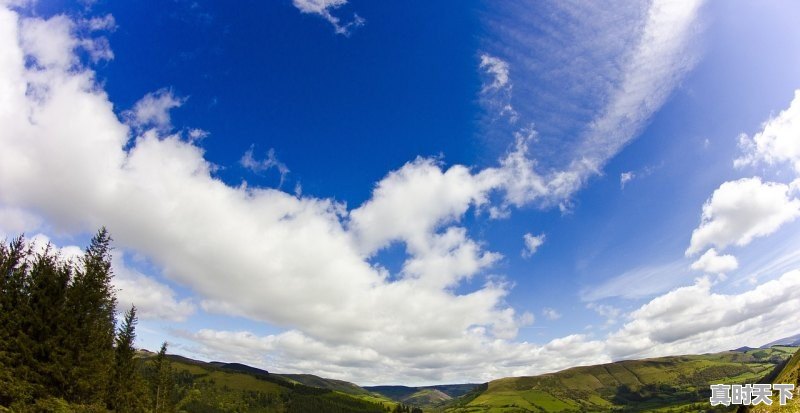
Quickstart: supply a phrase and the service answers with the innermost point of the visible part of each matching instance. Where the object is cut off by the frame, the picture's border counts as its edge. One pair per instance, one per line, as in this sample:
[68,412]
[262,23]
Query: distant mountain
[786,341]
[424,395]
[678,383]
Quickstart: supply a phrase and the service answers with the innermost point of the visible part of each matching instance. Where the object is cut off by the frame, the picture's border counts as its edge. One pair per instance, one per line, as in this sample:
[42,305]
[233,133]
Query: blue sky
[416,192]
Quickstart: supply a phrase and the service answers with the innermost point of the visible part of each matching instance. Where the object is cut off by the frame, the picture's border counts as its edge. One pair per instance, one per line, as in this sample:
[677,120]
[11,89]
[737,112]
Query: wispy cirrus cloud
[608,69]
[324,9]
[249,161]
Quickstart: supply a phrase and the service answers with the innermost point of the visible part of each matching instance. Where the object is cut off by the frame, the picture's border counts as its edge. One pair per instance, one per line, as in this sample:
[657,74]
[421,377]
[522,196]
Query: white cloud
[694,319]
[153,299]
[656,64]
[152,111]
[196,134]
[686,320]
[39,242]
[411,202]
[50,41]
[298,263]
[551,313]
[625,177]
[15,221]
[498,70]
[323,8]
[713,263]
[271,161]
[532,243]
[742,210]
[607,311]
[778,141]
[104,23]
[634,68]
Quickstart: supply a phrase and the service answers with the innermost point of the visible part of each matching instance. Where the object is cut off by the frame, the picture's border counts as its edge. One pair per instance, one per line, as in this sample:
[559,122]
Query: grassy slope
[212,387]
[323,383]
[659,384]
[425,395]
[789,374]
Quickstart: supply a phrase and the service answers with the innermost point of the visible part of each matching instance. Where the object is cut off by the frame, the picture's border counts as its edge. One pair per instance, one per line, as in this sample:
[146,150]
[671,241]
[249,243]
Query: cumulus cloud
[152,111]
[777,142]
[409,203]
[244,251]
[742,210]
[607,311]
[323,8]
[52,42]
[532,243]
[153,299]
[693,319]
[713,263]
[15,221]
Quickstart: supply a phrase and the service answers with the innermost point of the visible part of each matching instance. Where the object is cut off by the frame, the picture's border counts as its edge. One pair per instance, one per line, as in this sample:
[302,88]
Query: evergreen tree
[91,308]
[13,302]
[162,383]
[43,327]
[125,388]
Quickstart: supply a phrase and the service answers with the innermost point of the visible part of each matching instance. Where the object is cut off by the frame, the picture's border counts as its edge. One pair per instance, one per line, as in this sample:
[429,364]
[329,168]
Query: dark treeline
[402,408]
[60,346]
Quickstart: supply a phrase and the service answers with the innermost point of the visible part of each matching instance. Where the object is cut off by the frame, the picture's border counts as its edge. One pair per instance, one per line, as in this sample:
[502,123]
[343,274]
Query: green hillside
[790,374]
[206,387]
[678,383]
[323,383]
[403,393]
[426,397]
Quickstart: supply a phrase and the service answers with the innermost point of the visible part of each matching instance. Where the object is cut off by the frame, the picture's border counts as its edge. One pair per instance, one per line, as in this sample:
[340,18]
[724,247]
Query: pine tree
[90,308]
[13,302]
[125,386]
[43,327]
[162,382]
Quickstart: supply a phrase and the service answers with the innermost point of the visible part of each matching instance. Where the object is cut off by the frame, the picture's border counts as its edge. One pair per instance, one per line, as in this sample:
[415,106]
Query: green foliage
[203,387]
[91,304]
[126,389]
[161,380]
[57,324]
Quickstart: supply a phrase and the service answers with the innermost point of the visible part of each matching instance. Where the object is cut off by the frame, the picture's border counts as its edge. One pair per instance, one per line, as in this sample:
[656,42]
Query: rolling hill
[423,396]
[664,384]
[218,387]
[678,383]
